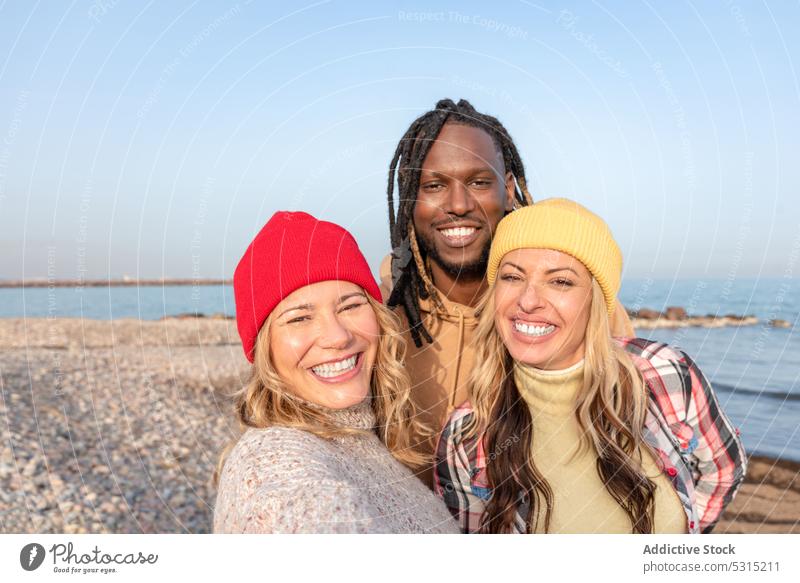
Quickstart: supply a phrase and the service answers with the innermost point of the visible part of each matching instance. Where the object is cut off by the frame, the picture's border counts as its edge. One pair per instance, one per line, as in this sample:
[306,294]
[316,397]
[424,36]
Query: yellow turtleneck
[581,502]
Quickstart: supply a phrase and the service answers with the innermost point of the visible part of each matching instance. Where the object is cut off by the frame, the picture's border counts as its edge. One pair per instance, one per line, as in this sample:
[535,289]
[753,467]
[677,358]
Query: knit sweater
[286,480]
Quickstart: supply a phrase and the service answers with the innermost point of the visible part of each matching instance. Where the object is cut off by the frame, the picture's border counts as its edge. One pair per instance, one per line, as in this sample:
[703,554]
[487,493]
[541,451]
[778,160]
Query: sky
[155,139]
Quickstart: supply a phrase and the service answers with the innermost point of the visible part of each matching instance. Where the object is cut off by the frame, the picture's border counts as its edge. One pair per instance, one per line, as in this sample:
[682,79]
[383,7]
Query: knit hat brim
[566,226]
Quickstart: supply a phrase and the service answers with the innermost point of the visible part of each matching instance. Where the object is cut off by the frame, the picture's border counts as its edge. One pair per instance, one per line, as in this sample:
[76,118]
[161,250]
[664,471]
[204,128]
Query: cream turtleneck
[581,502]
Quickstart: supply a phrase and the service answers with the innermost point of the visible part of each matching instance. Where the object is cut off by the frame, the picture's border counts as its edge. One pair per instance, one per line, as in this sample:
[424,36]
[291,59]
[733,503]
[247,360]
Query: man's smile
[458,236]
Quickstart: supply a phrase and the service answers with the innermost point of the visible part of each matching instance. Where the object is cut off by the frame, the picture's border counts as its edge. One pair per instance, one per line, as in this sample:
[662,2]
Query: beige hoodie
[440,371]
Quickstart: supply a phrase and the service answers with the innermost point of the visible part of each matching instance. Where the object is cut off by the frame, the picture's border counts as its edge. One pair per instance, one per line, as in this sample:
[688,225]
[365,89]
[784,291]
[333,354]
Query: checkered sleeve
[694,422]
[720,457]
[455,467]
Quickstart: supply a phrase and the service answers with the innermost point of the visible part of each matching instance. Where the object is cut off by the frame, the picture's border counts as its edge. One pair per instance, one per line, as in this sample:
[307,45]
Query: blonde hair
[610,409]
[267,401]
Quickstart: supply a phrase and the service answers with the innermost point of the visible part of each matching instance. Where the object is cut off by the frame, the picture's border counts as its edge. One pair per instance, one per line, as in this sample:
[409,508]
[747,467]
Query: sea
[754,369]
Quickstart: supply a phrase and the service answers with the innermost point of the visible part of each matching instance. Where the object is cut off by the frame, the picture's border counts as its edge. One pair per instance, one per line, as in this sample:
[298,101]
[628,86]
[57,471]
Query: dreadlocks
[410,278]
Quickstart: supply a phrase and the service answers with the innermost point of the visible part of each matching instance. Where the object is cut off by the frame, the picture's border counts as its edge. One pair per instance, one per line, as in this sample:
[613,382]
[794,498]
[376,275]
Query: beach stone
[779,324]
[32,467]
[221,316]
[675,313]
[648,314]
[184,316]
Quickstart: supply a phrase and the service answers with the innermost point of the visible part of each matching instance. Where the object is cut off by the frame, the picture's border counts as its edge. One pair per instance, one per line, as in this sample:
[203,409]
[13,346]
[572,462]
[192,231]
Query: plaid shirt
[697,448]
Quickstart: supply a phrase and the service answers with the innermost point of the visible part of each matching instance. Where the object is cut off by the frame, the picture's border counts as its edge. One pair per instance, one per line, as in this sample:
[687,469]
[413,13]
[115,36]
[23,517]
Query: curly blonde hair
[267,401]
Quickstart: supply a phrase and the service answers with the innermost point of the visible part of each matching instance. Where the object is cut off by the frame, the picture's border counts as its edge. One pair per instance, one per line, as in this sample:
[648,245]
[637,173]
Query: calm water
[107,303]
[755,369]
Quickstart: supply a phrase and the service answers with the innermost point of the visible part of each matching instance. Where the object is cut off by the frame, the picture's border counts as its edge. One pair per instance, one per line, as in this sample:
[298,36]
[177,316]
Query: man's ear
[510,189]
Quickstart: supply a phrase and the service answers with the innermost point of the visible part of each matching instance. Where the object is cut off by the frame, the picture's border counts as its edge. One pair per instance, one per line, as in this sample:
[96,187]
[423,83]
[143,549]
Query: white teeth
[531,330]
[458,232]
[333,369]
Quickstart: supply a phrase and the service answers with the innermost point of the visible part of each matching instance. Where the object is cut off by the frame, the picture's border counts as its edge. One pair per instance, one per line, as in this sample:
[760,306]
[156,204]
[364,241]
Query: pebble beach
[117,426]
[114,428]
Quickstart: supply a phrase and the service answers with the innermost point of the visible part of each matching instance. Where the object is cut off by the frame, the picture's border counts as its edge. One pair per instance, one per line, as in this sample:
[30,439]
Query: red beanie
[293,250]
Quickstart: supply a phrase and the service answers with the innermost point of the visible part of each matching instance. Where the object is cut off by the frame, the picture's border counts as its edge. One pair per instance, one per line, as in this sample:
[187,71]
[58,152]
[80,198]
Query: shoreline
[768,500]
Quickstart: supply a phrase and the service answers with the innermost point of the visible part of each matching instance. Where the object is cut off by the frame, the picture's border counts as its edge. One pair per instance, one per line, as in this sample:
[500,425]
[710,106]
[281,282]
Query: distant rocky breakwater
[676,317]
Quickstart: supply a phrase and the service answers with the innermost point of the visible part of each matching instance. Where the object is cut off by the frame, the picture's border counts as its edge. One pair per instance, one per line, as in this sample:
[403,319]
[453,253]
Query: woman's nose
[531,298]
[334,333]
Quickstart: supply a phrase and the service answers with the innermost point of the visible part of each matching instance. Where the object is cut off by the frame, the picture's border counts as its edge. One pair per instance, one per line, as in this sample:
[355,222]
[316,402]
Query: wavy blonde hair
[610,409]
[267,401]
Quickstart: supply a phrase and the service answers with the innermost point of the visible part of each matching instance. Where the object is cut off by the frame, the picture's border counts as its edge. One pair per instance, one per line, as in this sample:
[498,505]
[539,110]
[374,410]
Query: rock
[184,316]
[647,314]
[675,313]
[677,318]
[31,468]
[779,324]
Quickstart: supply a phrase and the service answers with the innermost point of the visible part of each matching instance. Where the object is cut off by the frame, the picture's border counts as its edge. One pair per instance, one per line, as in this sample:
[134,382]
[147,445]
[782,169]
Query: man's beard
[464,271]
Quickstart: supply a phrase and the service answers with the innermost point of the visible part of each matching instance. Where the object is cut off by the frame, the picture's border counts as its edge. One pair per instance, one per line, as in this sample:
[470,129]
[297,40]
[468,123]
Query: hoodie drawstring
[460,348]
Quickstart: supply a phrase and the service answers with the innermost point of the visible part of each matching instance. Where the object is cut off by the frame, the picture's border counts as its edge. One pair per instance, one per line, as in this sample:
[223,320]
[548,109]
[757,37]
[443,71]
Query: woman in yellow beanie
[567,429]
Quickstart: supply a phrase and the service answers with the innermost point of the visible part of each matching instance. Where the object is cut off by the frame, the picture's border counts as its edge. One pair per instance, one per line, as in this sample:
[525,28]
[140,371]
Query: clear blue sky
[154,139]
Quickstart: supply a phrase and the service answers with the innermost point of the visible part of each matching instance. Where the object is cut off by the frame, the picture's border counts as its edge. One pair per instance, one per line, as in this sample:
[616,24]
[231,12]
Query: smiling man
[458,174]
[464,191]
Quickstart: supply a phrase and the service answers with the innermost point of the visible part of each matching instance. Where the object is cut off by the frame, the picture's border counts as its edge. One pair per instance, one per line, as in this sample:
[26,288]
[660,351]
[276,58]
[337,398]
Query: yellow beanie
[566,226]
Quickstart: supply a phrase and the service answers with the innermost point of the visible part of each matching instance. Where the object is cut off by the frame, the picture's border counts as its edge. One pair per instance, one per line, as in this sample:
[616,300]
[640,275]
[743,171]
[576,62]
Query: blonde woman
[568,430]
[327,415]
